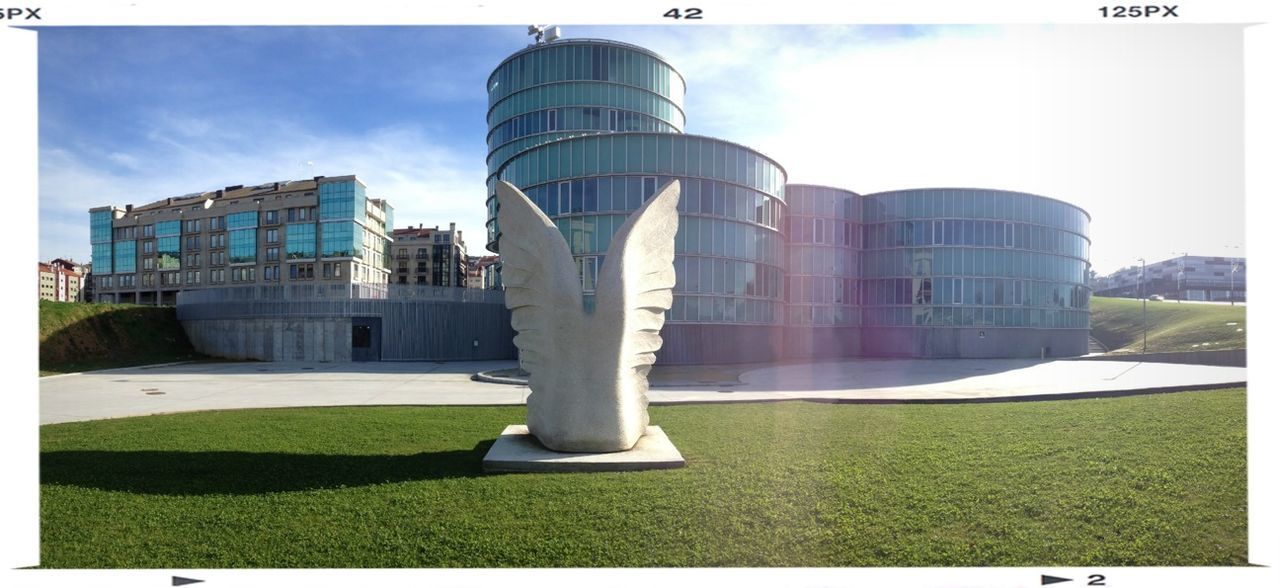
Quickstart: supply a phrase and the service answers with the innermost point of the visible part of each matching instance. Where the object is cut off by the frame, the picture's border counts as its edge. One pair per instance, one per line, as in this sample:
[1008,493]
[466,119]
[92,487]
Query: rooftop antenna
[538,31]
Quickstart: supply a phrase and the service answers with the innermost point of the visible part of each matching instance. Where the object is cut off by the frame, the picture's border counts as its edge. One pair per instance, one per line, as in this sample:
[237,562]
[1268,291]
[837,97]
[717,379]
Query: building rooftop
[234,192]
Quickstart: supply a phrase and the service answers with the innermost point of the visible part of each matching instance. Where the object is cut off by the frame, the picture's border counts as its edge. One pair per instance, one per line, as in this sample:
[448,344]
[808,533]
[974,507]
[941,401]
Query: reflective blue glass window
[300,241]
[125,256]
[242,220]
[242,244]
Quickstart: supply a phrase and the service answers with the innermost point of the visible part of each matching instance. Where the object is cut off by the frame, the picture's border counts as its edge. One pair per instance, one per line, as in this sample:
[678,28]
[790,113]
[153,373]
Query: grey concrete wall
[972,342]
[822,342]
[1220,357]
[267,339]
[320,330]
[684,343]
[413,330]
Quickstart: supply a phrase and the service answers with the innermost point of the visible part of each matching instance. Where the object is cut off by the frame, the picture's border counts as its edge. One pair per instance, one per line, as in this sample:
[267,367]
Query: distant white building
[1188,277]
[61,280]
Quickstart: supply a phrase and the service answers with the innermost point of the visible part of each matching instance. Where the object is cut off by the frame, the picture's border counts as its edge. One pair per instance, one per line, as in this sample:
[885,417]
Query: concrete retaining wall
[686,343]
[1220,357]
[822,342]
[973,342]
[320,330]
[291,339]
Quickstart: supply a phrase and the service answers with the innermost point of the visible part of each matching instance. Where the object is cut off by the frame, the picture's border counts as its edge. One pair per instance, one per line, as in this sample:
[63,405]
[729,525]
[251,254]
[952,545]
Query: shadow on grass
[185,473]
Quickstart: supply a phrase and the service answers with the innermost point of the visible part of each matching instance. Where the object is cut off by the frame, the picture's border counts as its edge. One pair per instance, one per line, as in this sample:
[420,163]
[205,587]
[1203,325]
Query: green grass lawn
[1146,480]
[1171,326]
[75,336]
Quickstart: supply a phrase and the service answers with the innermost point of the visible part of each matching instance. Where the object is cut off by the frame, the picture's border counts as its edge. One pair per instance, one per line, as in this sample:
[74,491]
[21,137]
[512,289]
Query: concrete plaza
[230,385]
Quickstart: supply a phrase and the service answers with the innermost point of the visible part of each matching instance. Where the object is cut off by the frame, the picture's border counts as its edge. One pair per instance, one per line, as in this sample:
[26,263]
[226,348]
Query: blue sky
[134,114]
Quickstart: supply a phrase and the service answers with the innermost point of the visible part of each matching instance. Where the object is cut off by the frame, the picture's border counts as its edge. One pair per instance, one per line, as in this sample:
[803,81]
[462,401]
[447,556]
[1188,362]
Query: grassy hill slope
[1171,326]
[77,337]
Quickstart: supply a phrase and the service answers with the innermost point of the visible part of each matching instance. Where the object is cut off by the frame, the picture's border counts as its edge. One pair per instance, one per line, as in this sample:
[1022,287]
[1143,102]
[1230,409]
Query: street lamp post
[1142,278]
[1182,277]
[1234,268]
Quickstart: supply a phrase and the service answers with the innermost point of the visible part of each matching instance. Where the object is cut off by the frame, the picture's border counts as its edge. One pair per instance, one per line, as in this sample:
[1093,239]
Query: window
[191,226]
[148,280]
[193,242]
[271,217]
[148,246]
[193,260]
[193,277]
[273,235]
[300,241]
[244,245]
[242,220]
[613,119]
[552,115]
[271,273]
[148,263]
[148,230]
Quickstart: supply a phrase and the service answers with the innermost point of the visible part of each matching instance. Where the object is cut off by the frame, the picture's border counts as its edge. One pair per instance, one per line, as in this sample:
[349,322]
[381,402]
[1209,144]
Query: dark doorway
[366,339]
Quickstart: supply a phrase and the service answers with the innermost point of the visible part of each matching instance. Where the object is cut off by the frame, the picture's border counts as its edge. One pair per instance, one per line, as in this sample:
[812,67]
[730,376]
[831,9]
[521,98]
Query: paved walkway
[209,386]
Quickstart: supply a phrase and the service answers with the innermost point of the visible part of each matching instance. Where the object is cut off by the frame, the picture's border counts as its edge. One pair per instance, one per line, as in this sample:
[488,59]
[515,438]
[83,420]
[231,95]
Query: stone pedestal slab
[518,451]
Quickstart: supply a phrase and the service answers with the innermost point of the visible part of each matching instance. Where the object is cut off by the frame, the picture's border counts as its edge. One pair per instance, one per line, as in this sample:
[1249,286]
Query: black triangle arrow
[1046,580]
[179,581]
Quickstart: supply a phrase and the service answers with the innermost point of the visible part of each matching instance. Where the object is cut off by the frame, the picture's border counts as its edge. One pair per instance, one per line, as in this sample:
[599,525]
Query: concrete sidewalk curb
[109,370]
[488,379]
[975,400]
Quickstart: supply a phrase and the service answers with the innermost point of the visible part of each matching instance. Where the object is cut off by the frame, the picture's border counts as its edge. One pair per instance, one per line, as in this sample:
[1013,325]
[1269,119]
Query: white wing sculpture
[588,373]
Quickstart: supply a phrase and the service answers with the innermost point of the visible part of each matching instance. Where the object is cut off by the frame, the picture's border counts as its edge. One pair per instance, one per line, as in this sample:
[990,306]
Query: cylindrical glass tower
[574,87]
[591,129]
[973,273]
[822,228]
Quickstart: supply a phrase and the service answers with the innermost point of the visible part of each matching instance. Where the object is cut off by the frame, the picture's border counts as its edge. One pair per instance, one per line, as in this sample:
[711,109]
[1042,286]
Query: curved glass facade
[823,239]
[973,258]
[591,129]
[730,250]
[574,87]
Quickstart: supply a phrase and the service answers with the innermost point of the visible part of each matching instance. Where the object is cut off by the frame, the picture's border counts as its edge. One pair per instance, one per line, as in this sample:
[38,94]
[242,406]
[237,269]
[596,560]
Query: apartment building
[61,280]
[430,255]
[323,230]
[478,274]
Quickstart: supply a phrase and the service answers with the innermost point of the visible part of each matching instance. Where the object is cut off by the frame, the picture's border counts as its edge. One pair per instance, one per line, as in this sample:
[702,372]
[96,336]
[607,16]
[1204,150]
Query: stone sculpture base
[518,451]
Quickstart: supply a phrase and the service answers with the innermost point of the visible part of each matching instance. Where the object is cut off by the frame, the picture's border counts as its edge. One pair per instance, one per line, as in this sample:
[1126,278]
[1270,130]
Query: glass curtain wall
[574,87]
[822,228]
[729,245]
[966,257]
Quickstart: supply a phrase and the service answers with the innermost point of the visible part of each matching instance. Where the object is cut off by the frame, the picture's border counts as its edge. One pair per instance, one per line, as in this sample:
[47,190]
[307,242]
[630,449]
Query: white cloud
[426,181]
[1138,125]
[1141,126]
